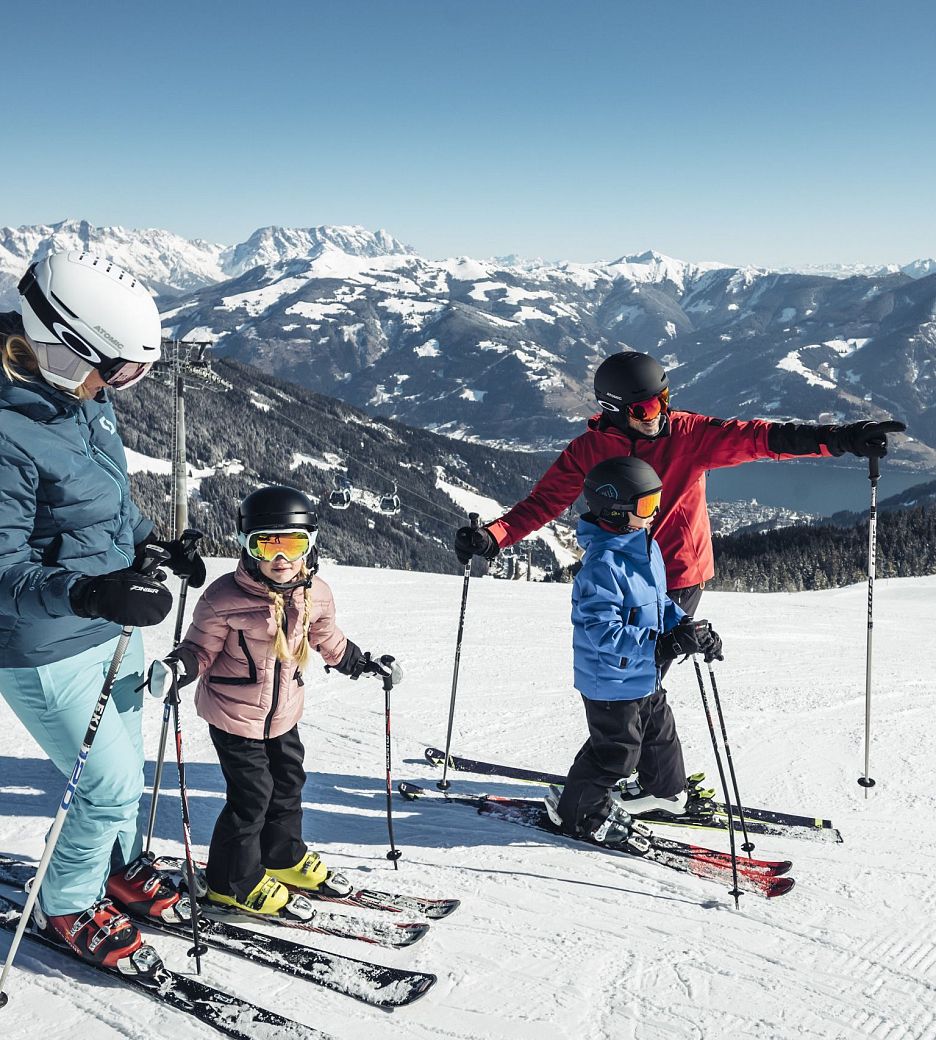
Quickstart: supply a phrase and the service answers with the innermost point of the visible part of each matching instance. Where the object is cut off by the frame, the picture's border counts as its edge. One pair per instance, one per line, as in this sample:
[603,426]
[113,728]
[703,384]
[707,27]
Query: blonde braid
[280,645]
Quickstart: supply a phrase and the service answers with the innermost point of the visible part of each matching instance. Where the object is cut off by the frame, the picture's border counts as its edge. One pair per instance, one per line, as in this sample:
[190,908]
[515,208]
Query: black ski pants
[260,825]
[622,736]
[687,598]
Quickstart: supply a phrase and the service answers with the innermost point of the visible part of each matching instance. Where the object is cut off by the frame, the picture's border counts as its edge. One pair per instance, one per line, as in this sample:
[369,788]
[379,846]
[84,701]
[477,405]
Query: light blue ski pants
[54,702]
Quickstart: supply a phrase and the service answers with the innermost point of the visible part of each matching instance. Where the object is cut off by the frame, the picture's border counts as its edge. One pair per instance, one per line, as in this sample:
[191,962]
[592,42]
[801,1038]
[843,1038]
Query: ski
[232,1016]
[759,821]
[374,984]
[364,898]
[759,877]
[379,933]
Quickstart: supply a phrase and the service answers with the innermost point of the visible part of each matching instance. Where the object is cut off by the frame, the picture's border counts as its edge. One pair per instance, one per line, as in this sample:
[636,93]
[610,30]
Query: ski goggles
[645,507]
[292,545]
[647,411]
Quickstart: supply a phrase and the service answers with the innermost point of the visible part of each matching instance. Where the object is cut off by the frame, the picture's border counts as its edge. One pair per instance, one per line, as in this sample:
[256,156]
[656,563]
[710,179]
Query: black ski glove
[352,663]
[125,597]
[865,439]
[184,558]
[474,541]
[689,637]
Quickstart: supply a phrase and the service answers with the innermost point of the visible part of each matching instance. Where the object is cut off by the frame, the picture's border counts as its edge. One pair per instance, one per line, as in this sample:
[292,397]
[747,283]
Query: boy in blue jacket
[624,627]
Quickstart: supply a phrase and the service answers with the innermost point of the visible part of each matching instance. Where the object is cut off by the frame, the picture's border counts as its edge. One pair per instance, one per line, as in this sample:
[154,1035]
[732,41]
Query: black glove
[184,558]
[866,439]
[125,597]
[474,541]
[353,663]
[689,637]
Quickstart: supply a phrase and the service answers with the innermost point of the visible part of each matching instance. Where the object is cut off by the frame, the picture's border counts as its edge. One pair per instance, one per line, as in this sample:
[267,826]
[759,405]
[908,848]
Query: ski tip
[779,887]
[409,791]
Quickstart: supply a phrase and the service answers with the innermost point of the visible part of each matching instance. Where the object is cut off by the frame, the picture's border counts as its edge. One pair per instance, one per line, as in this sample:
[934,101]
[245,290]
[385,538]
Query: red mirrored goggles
[292,545]
[647,411]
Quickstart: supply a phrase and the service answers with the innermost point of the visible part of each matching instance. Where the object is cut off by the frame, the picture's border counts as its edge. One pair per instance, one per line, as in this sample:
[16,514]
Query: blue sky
[767,133]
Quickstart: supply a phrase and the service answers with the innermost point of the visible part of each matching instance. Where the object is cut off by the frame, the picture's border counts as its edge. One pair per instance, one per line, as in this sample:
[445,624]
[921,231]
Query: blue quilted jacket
[65,510]
[619,608]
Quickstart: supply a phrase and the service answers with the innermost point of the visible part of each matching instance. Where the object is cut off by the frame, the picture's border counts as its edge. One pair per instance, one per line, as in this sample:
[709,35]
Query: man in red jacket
[636,419]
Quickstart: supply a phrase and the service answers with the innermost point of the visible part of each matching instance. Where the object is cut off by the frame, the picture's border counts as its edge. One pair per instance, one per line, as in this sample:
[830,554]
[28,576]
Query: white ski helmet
[81,312]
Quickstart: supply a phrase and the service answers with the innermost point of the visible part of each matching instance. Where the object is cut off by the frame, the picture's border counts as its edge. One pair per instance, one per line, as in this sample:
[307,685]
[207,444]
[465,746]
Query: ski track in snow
[554,941]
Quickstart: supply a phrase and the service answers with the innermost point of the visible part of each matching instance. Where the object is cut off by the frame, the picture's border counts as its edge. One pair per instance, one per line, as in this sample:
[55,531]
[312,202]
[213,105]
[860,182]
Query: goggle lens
[267,545]
[647,411]
[125,373]
[647,505]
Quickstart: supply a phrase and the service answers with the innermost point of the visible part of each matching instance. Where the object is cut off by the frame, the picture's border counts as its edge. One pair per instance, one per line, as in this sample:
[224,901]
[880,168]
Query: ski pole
[736,892]
[394,853]
[154,556]
[189,539]
[748,845]
[198,949]
[874,473]
[444,784]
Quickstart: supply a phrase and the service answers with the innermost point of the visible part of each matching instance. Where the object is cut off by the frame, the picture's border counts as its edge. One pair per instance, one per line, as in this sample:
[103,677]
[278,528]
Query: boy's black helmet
[276,507]
[626,378]
[613,487]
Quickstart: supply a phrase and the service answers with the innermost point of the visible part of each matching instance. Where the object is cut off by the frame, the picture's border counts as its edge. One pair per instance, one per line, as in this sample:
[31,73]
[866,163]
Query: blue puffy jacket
[619,608]
[65,510]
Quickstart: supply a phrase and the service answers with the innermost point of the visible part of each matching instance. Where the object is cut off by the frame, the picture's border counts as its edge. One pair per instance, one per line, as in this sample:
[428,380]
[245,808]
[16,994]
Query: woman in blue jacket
[69,532]
[624,627]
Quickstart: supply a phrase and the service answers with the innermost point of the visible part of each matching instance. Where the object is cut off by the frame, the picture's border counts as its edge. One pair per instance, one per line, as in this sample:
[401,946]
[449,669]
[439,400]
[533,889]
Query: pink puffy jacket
[243,688]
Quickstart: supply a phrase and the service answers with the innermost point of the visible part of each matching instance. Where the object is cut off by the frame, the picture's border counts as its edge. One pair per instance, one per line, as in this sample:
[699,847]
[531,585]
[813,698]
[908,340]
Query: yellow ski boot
[268,898]
[311,875]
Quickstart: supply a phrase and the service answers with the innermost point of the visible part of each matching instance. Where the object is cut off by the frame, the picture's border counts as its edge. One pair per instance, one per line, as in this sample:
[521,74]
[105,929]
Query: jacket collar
[36,399]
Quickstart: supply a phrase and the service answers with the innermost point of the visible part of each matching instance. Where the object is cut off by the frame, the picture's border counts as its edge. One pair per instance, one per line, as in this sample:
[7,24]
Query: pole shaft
[748,847]
[872,567]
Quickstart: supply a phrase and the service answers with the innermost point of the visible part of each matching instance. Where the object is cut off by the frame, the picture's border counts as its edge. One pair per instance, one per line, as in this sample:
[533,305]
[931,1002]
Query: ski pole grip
[153,557]
[475,521]
[190,538]
[874,467]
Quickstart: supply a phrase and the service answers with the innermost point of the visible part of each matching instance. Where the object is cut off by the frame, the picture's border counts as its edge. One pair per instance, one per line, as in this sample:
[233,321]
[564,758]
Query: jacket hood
[631,543]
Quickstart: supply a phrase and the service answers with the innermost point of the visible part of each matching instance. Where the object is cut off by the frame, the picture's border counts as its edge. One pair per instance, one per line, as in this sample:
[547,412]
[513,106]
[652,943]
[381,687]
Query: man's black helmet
[614,487]
[625,378]
[276,508]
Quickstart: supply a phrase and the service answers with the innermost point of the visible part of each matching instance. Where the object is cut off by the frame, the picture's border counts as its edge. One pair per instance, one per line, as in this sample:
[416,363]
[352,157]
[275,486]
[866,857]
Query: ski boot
[611,826]
[311,875]
[102,935]
[144,892]
[268,898]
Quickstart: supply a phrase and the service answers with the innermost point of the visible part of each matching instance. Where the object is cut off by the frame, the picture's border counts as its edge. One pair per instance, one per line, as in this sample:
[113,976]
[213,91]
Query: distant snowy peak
[654,268]
[270,246]
[916,269]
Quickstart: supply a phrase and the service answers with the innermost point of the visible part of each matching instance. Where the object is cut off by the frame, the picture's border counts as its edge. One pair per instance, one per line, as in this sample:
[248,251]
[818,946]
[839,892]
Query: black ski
[371,983]
[229,1015]
[362,980]
[366,898]
[759,821]
[759,877]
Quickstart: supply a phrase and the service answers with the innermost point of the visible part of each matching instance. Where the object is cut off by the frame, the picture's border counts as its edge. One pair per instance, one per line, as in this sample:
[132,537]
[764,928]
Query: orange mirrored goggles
[647,505]
[267,545]
[647,411]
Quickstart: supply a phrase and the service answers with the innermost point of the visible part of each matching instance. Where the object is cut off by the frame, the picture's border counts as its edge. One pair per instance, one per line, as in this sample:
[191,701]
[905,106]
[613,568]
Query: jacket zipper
[277,675]
[97,451]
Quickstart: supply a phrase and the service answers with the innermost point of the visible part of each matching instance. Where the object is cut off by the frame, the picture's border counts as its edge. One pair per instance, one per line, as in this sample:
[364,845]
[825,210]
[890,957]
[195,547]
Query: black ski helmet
[626,378]
[273,508]
[276,507]
[613,487]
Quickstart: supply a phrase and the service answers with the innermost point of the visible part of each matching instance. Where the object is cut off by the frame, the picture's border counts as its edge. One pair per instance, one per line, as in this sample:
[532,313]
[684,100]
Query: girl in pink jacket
[249,640]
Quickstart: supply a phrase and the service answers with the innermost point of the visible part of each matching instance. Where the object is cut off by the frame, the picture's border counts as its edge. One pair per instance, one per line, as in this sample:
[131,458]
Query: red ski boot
[144,892]
[101,934]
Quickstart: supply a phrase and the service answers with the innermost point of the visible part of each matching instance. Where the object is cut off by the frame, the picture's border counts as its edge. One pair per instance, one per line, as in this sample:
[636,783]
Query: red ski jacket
[695,443]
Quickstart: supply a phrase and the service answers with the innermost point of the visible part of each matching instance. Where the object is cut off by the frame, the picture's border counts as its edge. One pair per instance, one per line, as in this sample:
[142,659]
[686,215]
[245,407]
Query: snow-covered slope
[552,941]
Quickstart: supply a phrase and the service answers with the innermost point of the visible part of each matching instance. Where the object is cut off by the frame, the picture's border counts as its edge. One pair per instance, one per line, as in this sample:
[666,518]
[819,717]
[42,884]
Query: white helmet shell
[93,307]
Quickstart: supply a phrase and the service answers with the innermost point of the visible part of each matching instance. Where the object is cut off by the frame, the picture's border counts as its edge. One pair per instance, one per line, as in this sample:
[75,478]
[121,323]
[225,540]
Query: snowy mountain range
[504,349]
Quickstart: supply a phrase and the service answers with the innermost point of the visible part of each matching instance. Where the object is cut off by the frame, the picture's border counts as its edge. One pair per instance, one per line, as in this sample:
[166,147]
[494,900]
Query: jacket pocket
[250,679]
